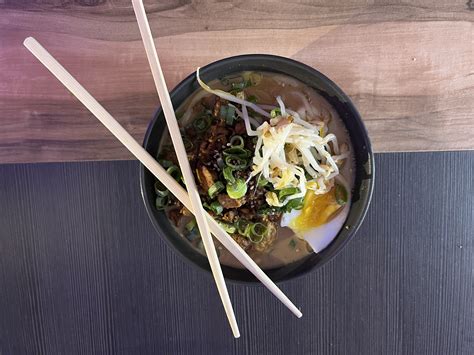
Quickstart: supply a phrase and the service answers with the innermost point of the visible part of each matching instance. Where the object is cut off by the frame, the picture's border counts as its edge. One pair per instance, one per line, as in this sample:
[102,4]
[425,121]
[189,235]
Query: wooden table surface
[408,66]
[82,271]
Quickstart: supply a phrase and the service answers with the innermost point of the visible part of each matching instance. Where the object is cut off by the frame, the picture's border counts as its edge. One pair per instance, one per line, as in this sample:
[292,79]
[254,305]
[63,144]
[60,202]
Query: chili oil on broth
[287,247]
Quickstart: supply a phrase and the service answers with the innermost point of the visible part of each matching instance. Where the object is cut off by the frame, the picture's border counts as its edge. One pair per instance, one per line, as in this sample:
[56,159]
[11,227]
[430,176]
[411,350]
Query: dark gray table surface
[82,271]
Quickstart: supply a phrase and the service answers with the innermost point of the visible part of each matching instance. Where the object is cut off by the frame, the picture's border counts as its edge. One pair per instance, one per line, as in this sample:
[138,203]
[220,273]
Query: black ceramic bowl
[364,174]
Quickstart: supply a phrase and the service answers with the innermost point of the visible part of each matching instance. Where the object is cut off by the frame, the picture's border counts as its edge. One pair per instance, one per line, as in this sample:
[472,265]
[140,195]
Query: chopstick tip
[28,40]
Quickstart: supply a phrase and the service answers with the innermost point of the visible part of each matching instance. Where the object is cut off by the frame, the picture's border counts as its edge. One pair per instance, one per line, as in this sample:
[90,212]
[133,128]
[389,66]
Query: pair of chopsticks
[190,199]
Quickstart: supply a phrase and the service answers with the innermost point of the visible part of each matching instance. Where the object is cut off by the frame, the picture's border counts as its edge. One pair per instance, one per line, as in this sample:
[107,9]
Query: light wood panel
[408,67]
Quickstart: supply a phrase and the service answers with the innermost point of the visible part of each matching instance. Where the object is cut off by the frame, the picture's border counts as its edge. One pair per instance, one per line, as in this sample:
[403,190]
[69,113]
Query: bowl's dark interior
[362,153]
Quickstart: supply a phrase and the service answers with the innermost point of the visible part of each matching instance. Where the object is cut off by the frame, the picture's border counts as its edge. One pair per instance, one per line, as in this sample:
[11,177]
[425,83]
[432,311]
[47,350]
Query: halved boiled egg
[322,216]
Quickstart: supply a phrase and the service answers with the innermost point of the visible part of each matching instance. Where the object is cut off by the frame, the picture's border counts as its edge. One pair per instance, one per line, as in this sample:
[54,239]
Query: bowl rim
[275,60]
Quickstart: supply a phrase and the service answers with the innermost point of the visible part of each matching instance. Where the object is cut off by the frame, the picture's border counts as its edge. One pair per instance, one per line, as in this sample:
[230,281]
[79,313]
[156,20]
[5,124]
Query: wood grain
[408,66]
[83,272]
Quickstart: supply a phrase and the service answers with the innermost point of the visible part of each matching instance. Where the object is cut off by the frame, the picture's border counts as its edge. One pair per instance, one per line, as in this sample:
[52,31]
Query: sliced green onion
[216,207]
[261,182]
[230,116]
[188,145]
[292,244]
[200,246]
[253,99]
[175,173]
[257,232]
[202,123]
[228,175]
[238,152]
[215,189]
[287,192]
[242,85]
[161,202]
[341,194]
[220,162]
[295,204]
[275,113]
[227,113]
[237,141]
[229,228]
[229,120]
[237,190]
[166,163]
[235,162]
[191,225]
[160,189]
[243,227]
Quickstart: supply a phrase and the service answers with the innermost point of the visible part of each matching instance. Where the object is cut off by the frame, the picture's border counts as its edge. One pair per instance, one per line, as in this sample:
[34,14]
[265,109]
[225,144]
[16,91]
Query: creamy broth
[298,97]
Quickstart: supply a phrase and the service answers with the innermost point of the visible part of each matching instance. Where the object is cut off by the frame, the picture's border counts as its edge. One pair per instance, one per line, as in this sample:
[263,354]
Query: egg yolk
[317,210]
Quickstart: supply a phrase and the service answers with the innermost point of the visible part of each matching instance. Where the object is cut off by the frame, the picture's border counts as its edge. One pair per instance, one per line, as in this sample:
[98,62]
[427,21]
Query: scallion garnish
[243,227]
[191,225]
[202,123]
[229,228]
[161,202]
[295,204]
[175,173]
[228,175]
[252,99]
[160,189]
[257,232]
[215,189]
[287,192]
[261,182]
[275,112]
[216,207]
[236,162]
[292,244]
[242,85]
[188,145]
[340,194]
[237,142]
[237,190]
[237,151]
[166,163]
[227,113]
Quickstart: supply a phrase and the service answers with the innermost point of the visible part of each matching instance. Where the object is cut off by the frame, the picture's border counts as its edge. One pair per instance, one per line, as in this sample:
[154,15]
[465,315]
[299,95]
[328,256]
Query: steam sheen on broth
[254,221]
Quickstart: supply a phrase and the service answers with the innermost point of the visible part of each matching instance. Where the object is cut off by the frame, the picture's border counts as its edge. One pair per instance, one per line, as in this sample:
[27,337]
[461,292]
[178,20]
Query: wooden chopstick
[151,164]
[196,203]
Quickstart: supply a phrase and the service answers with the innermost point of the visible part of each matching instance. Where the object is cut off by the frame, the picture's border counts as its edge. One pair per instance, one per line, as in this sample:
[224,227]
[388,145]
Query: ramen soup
[272,162]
